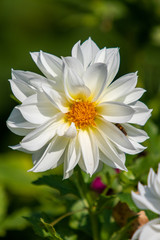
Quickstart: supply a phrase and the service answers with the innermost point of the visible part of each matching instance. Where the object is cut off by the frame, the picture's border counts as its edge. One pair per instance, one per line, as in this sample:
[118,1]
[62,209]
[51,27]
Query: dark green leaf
[124,232]
[151,215]
[43,229]
[55,181]
[105,202]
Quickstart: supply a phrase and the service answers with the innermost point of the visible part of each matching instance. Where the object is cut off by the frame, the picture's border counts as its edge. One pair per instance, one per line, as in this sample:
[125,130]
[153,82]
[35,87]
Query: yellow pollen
[82,114]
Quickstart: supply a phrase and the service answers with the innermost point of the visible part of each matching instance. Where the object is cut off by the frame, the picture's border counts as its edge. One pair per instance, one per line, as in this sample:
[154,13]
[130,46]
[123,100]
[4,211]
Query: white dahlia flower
[149,231]
[149,196]
[75,114]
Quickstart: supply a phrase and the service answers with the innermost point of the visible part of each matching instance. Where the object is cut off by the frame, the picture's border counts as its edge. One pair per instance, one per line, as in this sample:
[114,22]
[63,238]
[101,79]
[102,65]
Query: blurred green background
[54,26]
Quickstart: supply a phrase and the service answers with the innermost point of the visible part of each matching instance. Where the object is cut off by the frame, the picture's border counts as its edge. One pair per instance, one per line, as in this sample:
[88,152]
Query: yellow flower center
[82,114]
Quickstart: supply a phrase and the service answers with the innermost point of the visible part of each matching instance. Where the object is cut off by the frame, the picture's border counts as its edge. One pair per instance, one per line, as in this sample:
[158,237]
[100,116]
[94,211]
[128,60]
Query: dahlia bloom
[149,196]
[149,231]
[75,113]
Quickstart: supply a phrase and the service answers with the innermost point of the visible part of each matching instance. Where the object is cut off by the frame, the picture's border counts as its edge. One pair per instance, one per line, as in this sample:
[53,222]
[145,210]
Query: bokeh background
[54,26]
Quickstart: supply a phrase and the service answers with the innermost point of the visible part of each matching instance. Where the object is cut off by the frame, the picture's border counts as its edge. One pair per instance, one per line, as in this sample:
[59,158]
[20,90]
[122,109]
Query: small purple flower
[117,170]
[97,185]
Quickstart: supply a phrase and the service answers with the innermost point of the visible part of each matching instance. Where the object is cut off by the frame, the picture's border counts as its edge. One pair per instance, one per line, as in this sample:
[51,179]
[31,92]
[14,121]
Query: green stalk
[86,196]
[94,225]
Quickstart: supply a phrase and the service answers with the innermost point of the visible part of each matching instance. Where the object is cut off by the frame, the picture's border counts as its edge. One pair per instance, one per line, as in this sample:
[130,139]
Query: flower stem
[85,195]
[64,216]
[94,225]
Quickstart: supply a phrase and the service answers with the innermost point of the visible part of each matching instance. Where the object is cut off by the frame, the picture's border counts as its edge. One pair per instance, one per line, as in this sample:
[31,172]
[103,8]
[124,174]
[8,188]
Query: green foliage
[43,229]
[123,233]
[151,215]
[79,220]
[55,181]
[105,202]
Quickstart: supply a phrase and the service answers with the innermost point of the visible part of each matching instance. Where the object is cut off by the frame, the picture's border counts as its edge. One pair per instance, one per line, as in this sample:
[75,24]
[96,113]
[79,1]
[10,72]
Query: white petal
[67,130]
[115,112]
[18,125]
[73,155]
[89,50]
[148,201]
[57,98]
[153,183]
[135,133]
[31,79]
[36,58]
[89,151]
[49,65]
[109,130]
[94,148]
[77,52]
[141,189]
[21,89]
[51,155]
[100,165]
[141,115]
[137,147]
[52,64]
[74,64]
[67,174]
[37,109]
[151,178]
[62,129]
[137,200]
[111,58]
[71,131]
[26,76]
[149,231]
[95,79]
[120,87]
[19,148]
[110,152]
[134,95]
[82,164]
[113,61]
[41,135]
[101,56]
[74,85]
[109,162]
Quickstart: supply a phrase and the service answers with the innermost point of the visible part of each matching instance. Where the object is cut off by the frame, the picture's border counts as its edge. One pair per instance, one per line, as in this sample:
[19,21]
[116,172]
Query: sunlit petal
[115,112]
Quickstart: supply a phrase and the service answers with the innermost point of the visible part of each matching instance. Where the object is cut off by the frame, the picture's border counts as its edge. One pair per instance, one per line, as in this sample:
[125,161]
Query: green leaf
[151,215]
[126,198]
[55,181]
[14,221]
[52,234]
[108,226]
[41,228]
[105,202]
[123,233]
